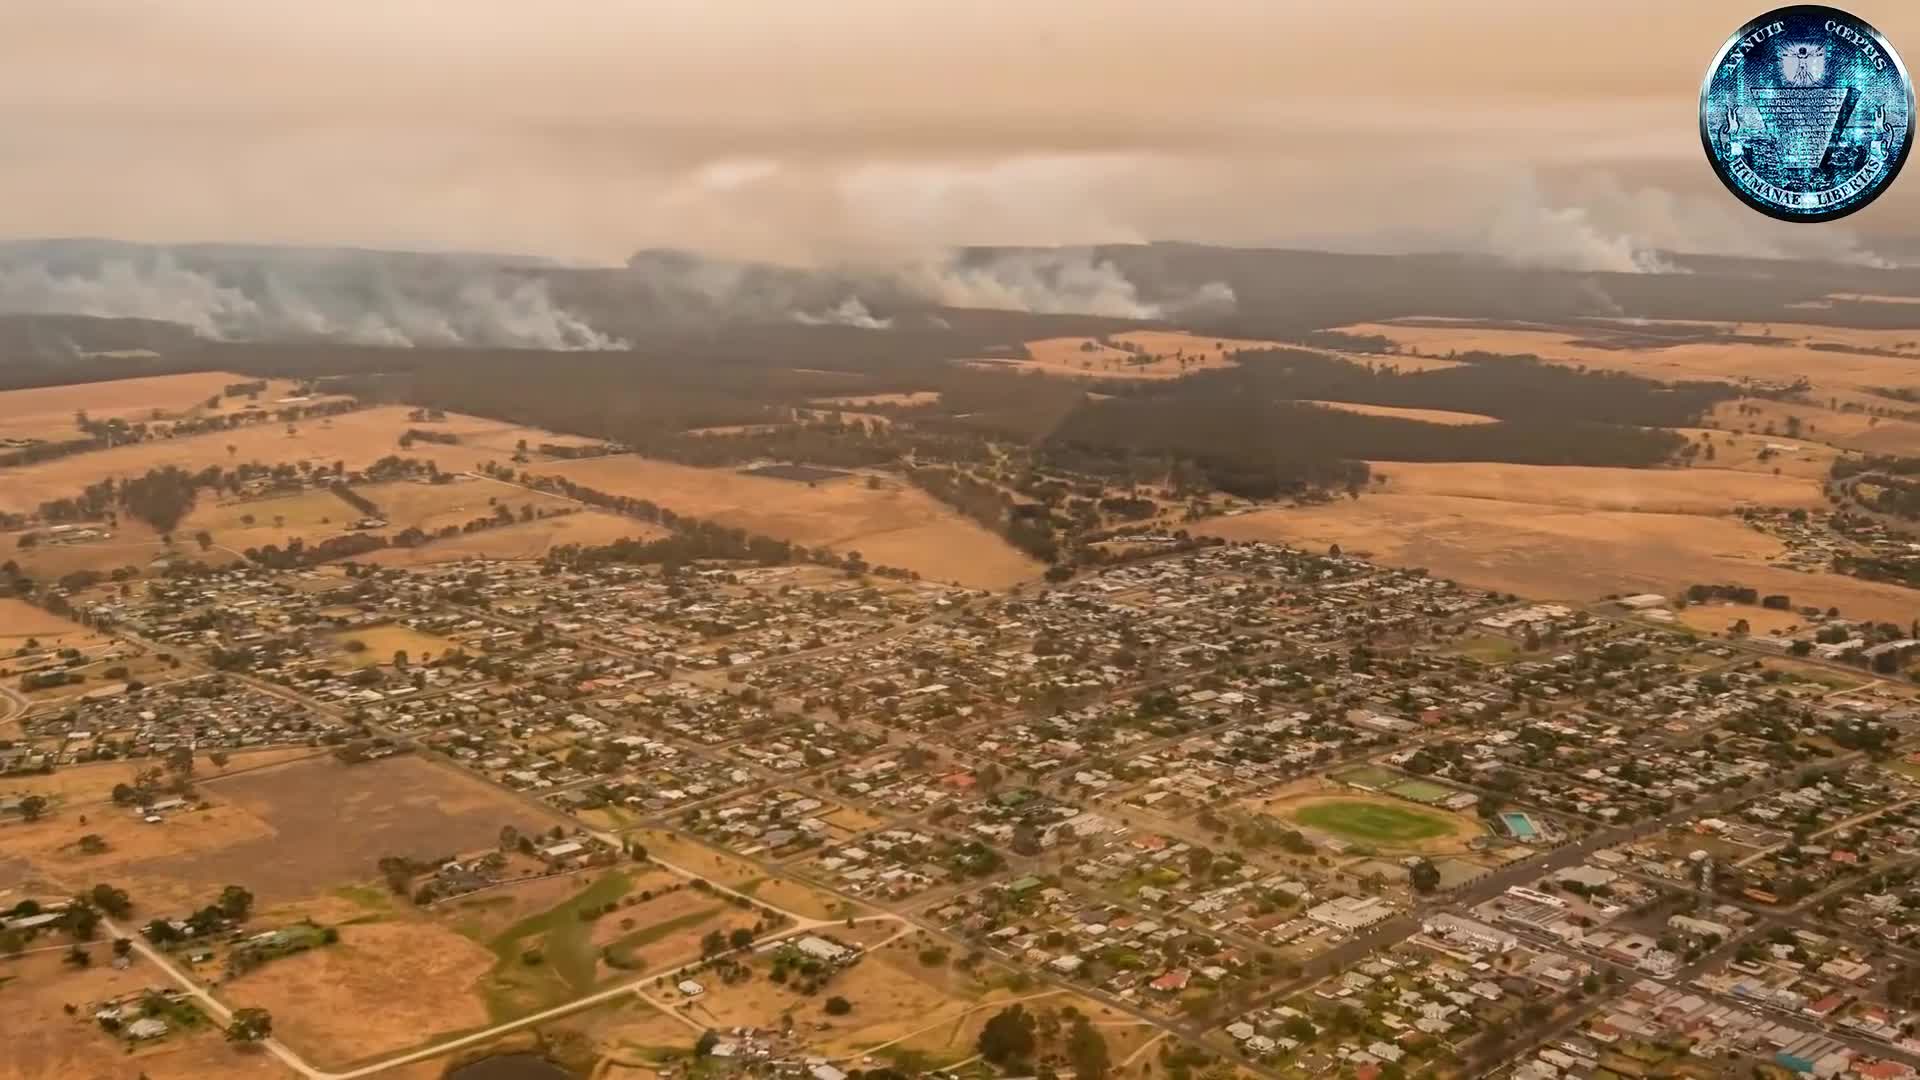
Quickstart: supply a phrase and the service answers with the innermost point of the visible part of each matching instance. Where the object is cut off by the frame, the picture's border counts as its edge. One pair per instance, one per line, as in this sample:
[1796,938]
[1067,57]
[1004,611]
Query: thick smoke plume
[1054,283]
[849,312]
[353,297]
[1060,281]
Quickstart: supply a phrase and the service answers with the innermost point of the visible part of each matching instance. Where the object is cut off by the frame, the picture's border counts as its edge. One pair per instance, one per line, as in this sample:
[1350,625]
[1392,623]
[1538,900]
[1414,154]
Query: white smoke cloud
[849,312]
[337,302]
[1598,224]
[1568,238]
[1051,283]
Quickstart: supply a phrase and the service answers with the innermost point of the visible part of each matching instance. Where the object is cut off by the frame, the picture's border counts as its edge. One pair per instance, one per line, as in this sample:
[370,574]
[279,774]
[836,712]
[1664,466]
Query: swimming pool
[1519,825]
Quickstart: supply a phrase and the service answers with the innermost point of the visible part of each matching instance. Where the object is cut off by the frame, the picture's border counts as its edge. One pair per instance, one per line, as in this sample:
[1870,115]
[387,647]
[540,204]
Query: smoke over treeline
[261,294]
[236,293]
[660,298]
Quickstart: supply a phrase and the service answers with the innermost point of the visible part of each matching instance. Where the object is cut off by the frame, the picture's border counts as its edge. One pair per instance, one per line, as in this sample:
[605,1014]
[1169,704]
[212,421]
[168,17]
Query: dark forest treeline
[1508,387]
[1233,420]
[1251,418]
[1242,429]
[48,451]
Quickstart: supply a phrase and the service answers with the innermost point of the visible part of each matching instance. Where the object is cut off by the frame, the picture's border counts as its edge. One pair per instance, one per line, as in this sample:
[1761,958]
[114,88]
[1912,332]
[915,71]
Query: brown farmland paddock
[522,540]
[1445,417]
[355,439]
[49,412]
[1663,491]
[888,521]
[1560,553]
[44,1042]
[384,986]
[286,832]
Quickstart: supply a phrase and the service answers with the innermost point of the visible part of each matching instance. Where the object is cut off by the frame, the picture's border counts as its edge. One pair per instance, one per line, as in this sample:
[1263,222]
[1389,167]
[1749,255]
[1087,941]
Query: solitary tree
[1008,1036]
[235,902]
[250,1025]
[1087,1049]
[1424,876]
[81,920]
[114,901]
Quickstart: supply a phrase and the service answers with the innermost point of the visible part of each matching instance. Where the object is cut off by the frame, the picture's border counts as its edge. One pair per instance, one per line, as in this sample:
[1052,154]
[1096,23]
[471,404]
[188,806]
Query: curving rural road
[12,705]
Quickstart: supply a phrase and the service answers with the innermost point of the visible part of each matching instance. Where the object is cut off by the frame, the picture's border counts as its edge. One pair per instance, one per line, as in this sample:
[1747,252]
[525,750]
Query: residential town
[1311,814]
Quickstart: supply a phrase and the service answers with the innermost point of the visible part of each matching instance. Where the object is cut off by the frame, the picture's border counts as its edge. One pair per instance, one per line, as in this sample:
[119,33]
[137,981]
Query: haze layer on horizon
[1563,133]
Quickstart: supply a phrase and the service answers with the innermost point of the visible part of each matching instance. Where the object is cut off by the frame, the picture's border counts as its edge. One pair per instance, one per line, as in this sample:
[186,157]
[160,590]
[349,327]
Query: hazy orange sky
[850,128]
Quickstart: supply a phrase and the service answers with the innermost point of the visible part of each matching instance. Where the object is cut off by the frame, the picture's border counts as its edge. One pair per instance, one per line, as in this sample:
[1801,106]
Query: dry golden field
[44,1042]
[1208,351]
[383,641]
[893,997]
[286,832]
[729,870]
[1781,363]
[1718,619]
[131,543]
[1845,428]
[235,525]
[894,524]
[1744,451]
[430,507]
[47,412]
[89,788]
[1173,353]
[21,622]
[526,540]
[1425,416]
[356,438]
[1665,491]
[1561,553]
[386,985]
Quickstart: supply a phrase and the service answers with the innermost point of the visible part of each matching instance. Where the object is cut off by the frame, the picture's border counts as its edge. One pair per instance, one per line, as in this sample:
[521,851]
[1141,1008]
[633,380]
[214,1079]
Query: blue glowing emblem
[1807,113]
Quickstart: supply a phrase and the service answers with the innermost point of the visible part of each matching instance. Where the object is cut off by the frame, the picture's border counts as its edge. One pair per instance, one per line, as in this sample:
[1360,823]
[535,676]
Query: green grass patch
[564,943]
[1368,776]
[1371,822]
[1422,791]
[1488,649]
